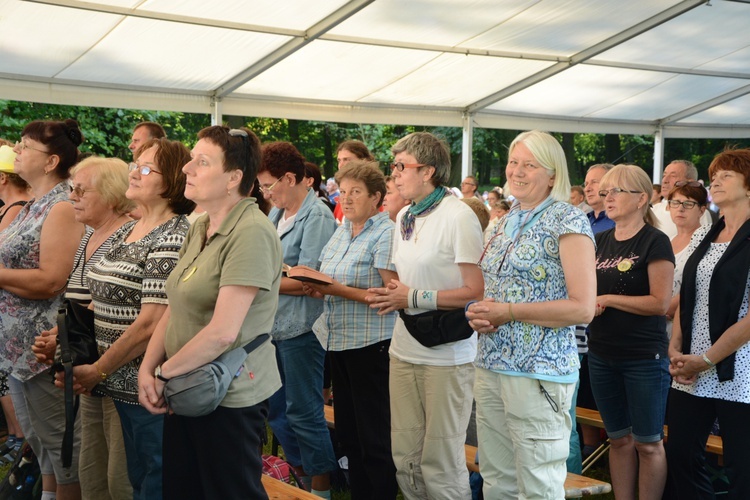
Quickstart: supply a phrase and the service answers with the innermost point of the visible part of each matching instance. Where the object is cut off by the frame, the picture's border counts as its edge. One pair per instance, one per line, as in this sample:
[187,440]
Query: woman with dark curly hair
[304,225]
[36,257]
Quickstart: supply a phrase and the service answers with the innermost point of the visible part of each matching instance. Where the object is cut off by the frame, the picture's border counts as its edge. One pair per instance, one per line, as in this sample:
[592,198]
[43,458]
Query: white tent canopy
[665,67]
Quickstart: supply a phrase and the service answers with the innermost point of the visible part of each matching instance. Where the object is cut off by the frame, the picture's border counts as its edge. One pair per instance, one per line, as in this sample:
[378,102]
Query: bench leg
[595,456]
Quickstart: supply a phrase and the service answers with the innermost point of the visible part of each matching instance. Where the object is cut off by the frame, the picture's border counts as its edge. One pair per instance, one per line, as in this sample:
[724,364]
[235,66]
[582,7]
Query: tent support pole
[658,155]
[216,117]
[467,143]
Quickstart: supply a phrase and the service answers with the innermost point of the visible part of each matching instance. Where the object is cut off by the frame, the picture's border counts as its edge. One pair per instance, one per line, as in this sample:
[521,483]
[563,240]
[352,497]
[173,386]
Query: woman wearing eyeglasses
[538,269]
[710,349]
[628,362]
[222,295]
[128,292]
[36,256]
[687,203]
[436,245]
[304,224]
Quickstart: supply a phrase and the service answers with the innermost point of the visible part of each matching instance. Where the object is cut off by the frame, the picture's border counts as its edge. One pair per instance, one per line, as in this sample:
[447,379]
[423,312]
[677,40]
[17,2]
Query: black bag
[433,328]
[75,335]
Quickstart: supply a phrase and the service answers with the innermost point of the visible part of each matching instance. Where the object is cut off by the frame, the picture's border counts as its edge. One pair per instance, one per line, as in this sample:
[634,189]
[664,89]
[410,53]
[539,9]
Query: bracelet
[510,311]
[709,362]
[426,299]
[157,374]
[101,373]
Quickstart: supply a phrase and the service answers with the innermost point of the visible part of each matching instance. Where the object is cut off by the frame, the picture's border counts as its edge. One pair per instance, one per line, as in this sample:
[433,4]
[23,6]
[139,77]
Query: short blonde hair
[476,205]
[632,178]
[110,181]
[551,156]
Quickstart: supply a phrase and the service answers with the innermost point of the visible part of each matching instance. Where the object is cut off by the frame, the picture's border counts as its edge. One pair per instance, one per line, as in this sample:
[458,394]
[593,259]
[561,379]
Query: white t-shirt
[661,211]
[448,236]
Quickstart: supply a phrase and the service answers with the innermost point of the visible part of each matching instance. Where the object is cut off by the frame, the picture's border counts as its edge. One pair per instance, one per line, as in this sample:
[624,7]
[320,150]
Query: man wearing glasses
[676,171]
[469,187]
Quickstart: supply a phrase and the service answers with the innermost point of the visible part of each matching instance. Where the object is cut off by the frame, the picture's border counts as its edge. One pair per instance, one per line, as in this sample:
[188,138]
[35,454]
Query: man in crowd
[578,199]
[469,187]
[143,132]
[677,171]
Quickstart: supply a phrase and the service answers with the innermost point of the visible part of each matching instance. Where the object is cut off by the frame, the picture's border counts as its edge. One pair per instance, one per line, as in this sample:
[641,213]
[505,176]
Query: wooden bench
[575,486]
[714,445]
[279,490]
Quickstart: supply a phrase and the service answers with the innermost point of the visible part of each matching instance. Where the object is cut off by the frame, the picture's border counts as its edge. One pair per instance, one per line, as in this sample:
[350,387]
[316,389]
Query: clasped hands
[684,368]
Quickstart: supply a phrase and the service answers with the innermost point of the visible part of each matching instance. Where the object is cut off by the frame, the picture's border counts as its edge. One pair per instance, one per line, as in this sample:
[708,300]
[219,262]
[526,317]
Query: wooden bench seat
[575,486]
[279,490]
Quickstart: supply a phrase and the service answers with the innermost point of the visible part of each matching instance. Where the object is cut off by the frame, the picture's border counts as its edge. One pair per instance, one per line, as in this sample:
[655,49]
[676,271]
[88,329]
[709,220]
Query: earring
[229,193]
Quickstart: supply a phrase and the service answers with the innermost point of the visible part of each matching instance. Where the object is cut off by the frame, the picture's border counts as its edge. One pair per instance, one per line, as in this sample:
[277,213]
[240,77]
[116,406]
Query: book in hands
[307,274]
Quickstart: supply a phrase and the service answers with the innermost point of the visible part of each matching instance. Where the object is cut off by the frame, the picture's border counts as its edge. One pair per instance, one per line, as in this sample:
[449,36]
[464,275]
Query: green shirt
[245,251]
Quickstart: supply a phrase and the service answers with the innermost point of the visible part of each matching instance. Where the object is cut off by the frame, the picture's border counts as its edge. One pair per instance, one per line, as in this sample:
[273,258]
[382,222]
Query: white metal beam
[293,46]
[706,105]
[588,53]
[658,155]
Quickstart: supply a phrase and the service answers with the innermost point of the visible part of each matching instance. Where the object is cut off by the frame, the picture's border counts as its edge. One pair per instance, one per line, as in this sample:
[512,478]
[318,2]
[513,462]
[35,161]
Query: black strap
[71,400]
[255,343]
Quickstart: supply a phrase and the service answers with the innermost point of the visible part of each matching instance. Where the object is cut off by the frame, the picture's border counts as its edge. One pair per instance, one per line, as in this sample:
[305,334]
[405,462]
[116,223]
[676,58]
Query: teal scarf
[422,208]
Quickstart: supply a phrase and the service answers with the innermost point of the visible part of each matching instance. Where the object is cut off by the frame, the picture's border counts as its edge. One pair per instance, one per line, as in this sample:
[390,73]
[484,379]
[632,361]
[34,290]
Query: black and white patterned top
[708,385]
[129,275]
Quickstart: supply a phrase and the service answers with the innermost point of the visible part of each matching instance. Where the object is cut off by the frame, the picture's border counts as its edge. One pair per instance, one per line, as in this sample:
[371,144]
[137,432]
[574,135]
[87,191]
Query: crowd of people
[539,298]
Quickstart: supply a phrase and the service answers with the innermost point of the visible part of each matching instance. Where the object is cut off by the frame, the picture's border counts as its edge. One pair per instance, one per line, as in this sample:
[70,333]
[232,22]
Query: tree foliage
[107,132]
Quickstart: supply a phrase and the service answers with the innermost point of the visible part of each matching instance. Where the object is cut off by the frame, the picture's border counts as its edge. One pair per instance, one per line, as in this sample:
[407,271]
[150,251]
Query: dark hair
[17,181]
[366,172]
[170,157]
[242,151]
[282,157]
[357,148]
[697,193]
[578,189]
[155,130]
[61,139]
[312,171]
[736,160]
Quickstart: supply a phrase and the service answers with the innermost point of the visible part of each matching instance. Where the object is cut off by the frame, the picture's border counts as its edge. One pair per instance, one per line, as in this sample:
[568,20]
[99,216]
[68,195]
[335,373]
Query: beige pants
[430,410]
[523,435]
[102,469]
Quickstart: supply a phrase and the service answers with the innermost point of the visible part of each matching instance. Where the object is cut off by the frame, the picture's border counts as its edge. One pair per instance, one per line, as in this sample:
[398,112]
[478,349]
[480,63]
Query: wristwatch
[157,374]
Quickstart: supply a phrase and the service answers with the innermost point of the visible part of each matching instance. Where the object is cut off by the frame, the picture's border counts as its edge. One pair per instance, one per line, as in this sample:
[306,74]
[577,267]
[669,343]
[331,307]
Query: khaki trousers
[430,410]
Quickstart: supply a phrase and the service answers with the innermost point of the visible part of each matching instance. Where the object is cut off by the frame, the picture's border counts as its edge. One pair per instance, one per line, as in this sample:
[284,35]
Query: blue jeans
[296,410]
[142,433]
[631,396]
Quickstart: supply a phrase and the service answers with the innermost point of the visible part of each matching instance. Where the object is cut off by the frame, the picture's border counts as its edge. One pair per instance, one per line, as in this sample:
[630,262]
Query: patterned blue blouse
[530,270]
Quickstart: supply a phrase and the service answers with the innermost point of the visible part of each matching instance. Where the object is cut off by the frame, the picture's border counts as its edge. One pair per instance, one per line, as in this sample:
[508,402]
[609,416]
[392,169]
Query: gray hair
[690,171]
[428,150]
[606,166]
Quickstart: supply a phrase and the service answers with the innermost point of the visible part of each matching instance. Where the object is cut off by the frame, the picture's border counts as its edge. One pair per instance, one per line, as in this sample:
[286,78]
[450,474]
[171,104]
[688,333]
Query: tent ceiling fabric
[561,65]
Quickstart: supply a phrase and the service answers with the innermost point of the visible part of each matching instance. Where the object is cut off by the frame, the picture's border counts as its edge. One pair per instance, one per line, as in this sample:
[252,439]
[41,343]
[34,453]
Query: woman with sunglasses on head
[304,224]
[36,253]
[128,293]
[710,350]
[628,362]
[436,245]
[539,277]
[222,295]
[687,202]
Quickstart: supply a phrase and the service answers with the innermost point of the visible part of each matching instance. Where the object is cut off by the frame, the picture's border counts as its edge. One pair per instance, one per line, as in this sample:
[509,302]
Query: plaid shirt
[354,262]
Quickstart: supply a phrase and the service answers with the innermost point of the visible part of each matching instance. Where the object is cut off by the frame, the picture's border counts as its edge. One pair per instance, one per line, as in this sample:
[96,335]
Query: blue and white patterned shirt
[531,271]
[348,324]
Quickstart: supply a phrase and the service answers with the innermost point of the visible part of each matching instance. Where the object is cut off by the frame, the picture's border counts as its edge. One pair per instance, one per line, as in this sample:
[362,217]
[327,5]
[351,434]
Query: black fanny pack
[433,328]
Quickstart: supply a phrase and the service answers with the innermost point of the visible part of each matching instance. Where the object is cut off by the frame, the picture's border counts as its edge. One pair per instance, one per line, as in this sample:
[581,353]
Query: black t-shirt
[622,269]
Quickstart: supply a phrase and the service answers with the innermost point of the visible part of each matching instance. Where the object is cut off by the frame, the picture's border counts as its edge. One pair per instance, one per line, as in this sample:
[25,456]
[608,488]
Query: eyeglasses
[144,170]
[22,145]
[694,184]
[401,166]
[79,191]
[613,191]
[267,190]
[687,205]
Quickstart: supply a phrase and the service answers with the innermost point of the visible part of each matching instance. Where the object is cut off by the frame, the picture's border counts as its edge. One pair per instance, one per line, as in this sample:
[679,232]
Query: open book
[304,273]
